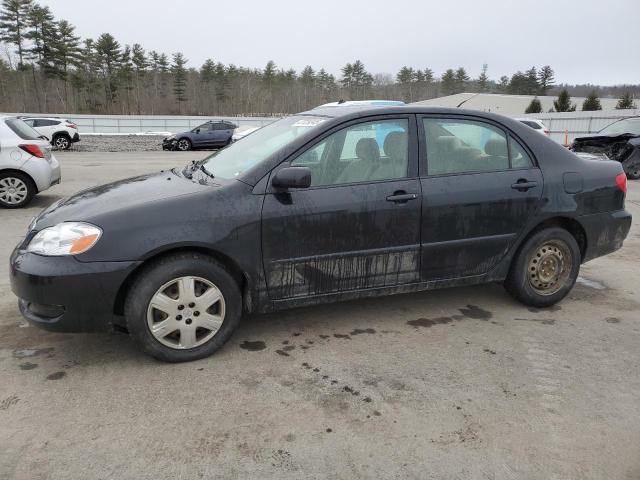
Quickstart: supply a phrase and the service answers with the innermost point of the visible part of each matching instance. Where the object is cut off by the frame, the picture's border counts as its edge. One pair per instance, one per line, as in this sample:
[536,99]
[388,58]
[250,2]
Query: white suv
[536,124]
[27,166]
[59,131]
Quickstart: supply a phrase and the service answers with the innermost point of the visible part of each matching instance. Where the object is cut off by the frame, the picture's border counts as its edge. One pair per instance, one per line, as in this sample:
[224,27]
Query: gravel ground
[462,383]
[118,143]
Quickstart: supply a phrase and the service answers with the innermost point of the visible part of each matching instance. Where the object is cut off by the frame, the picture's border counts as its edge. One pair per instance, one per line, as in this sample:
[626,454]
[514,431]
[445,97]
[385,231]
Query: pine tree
[448,82]
[503,84]
[108,56]
[461,80]
[534,107]
[592,102]
[13,25]
[563,103]
[179,71]
[483,79]
[545,79]
[531,86]
[626,102]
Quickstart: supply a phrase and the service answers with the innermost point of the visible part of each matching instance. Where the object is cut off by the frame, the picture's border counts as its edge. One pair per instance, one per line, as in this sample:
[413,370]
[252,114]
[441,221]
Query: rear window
[532,124]
[21,129]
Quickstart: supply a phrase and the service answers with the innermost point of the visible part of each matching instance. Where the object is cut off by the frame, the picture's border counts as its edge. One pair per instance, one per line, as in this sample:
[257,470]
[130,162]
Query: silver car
[27,166]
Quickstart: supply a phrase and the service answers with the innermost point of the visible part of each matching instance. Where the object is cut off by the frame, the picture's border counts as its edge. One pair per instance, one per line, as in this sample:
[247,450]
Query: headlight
[172,137]
[67,238]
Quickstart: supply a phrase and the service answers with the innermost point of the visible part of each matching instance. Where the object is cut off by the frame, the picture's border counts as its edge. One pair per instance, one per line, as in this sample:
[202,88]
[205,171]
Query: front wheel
[184,144]
[183,307]
[545,268]
[634,172]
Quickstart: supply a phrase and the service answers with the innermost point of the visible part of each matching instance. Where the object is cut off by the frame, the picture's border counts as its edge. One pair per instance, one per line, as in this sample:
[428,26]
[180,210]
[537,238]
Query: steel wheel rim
[62,142]
[183,145]
[186,312]
[13,190]
[549,267]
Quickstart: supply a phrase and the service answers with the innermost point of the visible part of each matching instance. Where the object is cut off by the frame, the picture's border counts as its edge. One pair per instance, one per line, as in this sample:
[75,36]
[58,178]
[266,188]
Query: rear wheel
[16,189]
[183,307]
[184,144]
[545,268]
[61,142]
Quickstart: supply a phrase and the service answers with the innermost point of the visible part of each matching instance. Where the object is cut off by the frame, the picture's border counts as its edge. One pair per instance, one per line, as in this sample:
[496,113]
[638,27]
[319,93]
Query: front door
[480,187]
[358,225]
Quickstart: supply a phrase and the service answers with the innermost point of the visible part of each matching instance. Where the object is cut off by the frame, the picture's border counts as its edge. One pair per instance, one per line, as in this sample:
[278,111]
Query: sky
[585,41]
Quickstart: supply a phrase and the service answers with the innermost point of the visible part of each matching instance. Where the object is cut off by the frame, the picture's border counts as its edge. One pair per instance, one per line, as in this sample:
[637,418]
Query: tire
[540,274]
[61,142]
[184,145]
[634,173]
[186,334]
[16,189]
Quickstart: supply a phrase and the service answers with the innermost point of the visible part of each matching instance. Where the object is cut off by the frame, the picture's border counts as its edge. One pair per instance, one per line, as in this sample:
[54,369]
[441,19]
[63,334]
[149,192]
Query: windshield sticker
[308,122]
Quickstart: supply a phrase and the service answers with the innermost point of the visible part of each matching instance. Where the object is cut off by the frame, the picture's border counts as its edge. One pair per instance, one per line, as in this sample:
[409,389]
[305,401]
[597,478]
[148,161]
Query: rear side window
[464,146]
[21,129]
[534,125]
[519,156]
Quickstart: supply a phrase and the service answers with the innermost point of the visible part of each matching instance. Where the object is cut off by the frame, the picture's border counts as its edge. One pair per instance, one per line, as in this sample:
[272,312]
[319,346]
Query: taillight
[72,125]
[621,182]
[32,149]
[547,132]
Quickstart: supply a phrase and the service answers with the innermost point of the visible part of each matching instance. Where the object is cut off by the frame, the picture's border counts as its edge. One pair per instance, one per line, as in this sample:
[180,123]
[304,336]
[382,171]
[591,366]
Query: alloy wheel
[549,267]
[186,312]
[62,143]
[183,145]
[13,190]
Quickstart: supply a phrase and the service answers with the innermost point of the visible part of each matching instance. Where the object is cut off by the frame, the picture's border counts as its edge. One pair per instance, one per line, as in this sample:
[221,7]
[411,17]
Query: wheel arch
[240,276]
[569,224]
[21,172]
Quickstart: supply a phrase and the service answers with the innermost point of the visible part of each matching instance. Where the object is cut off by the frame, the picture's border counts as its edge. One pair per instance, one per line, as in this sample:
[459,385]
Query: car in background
[326,205]
[27,166]
[242,132]
[62,133]
[536,124]
[362,103]
[618,141]
[215,133]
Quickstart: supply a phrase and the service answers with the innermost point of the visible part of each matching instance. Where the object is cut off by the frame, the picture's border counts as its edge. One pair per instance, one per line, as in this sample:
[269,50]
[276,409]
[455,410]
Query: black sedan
[333,204]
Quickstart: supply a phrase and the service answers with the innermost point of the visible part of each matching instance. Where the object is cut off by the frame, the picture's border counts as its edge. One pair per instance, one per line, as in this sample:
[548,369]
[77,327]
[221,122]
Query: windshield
[253,149]
[628,125]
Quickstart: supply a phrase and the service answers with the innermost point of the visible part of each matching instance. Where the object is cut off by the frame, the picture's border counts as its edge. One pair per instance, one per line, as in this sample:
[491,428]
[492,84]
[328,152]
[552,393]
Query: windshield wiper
[205,171]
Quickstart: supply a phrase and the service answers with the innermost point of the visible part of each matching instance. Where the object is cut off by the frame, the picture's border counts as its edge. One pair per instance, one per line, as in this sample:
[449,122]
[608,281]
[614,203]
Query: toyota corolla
[333,204]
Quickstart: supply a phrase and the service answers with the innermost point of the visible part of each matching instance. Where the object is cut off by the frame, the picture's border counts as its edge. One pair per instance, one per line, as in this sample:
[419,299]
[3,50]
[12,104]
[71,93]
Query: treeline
[46,67]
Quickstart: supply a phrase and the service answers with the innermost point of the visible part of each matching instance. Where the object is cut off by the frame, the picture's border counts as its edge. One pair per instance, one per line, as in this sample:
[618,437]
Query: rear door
[358,226]
[480,187]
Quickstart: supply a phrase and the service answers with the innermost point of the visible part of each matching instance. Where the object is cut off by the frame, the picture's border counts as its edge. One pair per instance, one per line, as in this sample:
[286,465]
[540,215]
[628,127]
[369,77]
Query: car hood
[123,194]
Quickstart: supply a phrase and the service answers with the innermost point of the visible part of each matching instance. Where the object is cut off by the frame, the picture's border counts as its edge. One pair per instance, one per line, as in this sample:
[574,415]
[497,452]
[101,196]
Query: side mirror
[292,177]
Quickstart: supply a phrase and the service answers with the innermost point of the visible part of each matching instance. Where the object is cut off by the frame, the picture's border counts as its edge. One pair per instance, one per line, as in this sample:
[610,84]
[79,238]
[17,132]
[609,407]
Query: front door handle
[524,185]
[401,197]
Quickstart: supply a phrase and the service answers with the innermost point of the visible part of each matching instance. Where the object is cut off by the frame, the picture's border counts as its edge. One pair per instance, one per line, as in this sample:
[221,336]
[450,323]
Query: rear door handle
[401,197]
[524,185]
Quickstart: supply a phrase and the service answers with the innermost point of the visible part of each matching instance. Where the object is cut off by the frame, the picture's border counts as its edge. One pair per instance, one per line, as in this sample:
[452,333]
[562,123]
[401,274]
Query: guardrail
[123,124]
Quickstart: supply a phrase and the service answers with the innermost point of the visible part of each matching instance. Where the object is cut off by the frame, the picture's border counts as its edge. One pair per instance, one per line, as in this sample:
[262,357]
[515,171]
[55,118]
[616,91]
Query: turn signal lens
[621,181]
[67,238]
[34,150]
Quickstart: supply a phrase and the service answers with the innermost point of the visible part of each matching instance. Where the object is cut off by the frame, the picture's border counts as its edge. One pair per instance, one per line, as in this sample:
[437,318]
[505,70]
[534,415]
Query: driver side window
[366,152]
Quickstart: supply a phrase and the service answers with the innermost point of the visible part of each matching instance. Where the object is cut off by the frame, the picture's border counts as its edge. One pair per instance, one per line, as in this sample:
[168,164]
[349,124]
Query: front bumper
[65,295]
[169,144]
[605,232]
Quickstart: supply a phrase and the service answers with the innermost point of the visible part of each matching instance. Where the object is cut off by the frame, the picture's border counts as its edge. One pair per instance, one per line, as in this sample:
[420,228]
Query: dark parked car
[207,135]
[333,204]
[619,141]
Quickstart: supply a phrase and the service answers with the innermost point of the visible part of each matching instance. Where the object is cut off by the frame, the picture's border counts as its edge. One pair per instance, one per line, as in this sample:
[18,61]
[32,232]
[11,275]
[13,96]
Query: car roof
[356,111]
